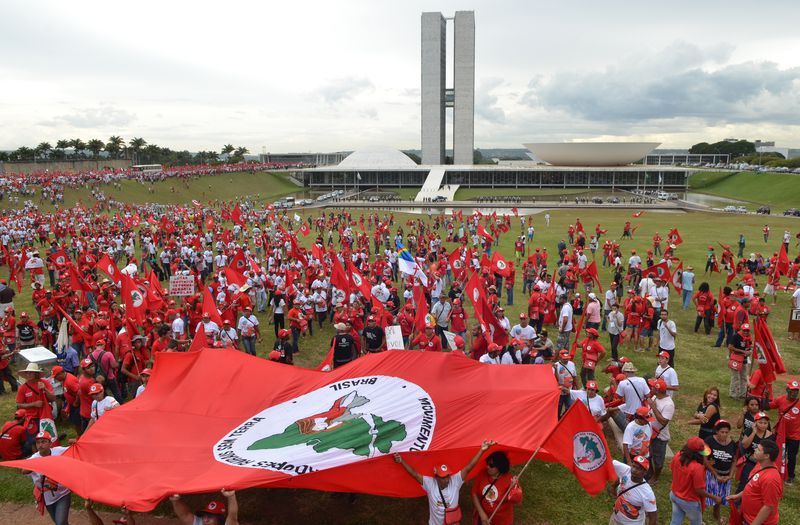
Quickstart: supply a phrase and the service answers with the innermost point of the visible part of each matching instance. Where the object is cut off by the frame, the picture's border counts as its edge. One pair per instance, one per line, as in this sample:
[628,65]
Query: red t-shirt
[490,495]
[764,488]
[458,320]
[479,347]
[790,417]
[434,344]
[84,384]
[29,393]
[70,390]
[13,437]
[590,351]
[685,479]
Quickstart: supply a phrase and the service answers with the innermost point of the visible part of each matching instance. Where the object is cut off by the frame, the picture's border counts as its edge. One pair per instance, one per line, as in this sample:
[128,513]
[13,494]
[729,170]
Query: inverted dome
[591,153]
[377,157]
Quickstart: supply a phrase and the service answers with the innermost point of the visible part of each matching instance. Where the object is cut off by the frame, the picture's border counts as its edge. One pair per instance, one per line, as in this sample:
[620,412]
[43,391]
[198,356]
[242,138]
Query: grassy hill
[552,496]
[777,190]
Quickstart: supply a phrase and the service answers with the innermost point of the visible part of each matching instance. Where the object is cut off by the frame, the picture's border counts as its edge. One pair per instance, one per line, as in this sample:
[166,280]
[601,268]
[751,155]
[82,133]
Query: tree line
[137,149]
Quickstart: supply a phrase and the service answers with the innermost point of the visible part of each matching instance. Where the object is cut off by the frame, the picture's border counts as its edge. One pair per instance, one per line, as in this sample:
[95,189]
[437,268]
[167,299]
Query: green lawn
[777,190]
[552,496]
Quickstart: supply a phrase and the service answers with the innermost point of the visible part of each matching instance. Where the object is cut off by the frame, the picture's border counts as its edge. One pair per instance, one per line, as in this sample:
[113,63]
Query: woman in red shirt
[591,352]
[458,318]
[489,488]
[689,482]
[704,306]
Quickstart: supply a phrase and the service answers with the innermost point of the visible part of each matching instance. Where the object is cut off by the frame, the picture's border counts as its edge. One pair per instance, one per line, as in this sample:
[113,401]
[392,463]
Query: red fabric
[677,278]
[660,270]
[568,445]
[421,308]
[767,352]
[782,263]
[685,479]
[135,306]
[13,437]
[210,307]
[107,266]
[236,216]
[674,237]
[790,420]
[764,488]
[490,492]
[517,403]
[500,265]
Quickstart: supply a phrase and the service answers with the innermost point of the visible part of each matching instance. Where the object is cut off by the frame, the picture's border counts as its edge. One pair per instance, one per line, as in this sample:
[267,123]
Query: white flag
[297,218]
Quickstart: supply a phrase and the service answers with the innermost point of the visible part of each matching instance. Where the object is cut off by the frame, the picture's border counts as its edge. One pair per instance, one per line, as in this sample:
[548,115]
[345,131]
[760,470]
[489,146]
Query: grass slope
[777,190]
[552,496]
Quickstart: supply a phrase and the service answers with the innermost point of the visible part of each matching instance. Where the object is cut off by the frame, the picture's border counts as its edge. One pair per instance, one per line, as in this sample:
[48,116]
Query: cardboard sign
[794,321]
[181,285]
[451,339]
[394,338]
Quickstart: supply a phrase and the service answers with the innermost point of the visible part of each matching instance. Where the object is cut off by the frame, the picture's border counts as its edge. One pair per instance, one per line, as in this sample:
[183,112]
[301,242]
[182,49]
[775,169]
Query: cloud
[690,83]
[342,89]
[486,101]
[98,117]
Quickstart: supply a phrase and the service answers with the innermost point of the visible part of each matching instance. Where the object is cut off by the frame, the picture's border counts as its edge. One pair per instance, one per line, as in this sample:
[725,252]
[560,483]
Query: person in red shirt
[134,361]
[490,487]
[458,318]
[689,482]
[480,345]
[591,353]
[764,489]
[788,424]
[70,385]
[13,438]
[85,382]
[35,397]
[428,341]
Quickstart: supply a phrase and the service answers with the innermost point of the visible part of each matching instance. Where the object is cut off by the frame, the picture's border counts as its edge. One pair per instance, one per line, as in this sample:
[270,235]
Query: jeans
[685,509]
[687,298]
[792,446]
[59,511]
[510,296]
[249,344]
[614,346]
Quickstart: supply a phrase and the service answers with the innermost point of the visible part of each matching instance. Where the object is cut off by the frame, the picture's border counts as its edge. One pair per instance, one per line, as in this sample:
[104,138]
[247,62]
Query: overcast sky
[323,76]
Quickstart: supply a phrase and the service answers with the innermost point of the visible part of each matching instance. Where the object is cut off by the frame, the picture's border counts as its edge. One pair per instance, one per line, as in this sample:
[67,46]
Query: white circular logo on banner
[110,269]
[137,299]
[588,451]
[501,265]
[338,424]
[356,279]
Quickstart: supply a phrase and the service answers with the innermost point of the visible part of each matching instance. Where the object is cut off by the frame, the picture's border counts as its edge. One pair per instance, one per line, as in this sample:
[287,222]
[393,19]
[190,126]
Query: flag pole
[524,467]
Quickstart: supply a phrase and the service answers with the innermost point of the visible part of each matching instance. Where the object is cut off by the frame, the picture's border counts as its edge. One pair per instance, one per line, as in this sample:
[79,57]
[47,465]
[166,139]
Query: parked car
[440,198]
[729,209]
[763,210]
[793,212]
[597,200]
[741,209]
[614,200]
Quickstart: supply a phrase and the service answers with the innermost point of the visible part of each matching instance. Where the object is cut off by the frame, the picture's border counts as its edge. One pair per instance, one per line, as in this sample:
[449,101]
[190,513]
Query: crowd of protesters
[253,271]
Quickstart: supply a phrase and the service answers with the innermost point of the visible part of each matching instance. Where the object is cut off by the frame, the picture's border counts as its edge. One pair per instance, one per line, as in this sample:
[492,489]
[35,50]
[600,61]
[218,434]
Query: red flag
[591,271]
[199,342]
[388,402]
[483,311]
[107,266]
[236,216]
[304,230]
[234,277]
[210,307]
[72,322]
[782,262]
[769,357]
[638,214]
[209,222]
[483,233]
[76,282]
[167,224]
[731,270]
[677,278]
[59,258]
[660,270]
[317,251]
[674,237]
[500,265]
[421,306]
[327,364]
[133,299]
[578,443]
[357,280]
[458,266]
[515,211]
[239,261]
[338,276]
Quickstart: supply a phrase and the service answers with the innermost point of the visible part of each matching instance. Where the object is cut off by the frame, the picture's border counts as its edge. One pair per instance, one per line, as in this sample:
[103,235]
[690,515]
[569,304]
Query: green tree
[23,153]
[95,146]
[61,145]
[239,153]
[43,150]
[114,146]
[78,146]
[136,145]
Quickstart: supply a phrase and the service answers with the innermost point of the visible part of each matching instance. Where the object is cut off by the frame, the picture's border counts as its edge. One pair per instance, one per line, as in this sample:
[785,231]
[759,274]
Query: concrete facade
[434,69]
[464,87]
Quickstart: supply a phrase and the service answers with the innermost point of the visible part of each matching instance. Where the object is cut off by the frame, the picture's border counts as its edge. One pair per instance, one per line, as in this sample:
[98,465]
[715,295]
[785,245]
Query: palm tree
[136,144]
[43,149]
[238,155]
[114,146]
[95,146]
[78,145]
[61,145]
[23,153]
[227,150]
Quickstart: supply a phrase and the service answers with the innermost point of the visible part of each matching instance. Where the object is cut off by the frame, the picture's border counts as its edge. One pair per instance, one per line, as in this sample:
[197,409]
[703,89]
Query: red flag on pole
[483,233]
[210,307]
[677,278]
[768,356]
[782,262]
[421,306]
[236,216]
[107,266]
[660,270]
[500,266]
[133,298]
[591,271]
[304,230]
[674,237]
[338,276]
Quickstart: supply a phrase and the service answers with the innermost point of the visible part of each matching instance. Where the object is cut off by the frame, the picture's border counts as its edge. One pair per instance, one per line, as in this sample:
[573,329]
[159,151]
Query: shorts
[658,452]
[646,332]
[769,289]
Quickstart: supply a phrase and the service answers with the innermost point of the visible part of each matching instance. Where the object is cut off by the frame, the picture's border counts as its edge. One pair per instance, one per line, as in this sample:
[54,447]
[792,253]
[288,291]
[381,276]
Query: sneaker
[790,481]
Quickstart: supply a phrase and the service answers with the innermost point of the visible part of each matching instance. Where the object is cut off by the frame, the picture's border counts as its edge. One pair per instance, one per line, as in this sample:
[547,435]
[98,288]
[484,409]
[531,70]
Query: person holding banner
[488,489]
[788,426]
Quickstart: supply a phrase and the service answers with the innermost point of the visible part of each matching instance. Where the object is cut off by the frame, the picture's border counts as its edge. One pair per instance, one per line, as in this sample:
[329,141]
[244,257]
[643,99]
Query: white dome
[377,158]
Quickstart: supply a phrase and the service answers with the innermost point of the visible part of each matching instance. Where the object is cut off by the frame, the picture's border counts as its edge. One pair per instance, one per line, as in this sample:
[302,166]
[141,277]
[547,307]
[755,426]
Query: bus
[147,168]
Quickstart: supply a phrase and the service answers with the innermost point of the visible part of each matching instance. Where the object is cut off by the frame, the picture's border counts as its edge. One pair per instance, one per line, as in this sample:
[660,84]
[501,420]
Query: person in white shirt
[663,410]
[227,336]
[566,377]
[248,330]
[633,390]
[637,435]
[667,373]
[647,287]
[101,403]
[666,335]
[634,260]
[210,327]
[564,323]
[443,487]
[492,356]
[57,497]
[635,502]
[513,354]
[589,397]
[178,327]
[524,332]
[145,377]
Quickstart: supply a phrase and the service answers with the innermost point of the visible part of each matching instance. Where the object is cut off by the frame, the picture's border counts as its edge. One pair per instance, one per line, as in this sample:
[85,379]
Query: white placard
[451,339]
[394,338]
[181,285]
[37,354]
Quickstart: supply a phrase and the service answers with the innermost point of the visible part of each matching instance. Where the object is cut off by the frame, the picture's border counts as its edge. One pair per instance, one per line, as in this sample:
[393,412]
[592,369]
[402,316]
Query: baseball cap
[722,423]
[592,331]
[642,412]
[563,354]
[96,388]
[620,377]
[523,315]
[663,354]
[146,372]
[442,471]
[56,370]
[371,318]
[698,445]
[591,385]
[660,385]
[216,508]
[459,341]
[86,363]
[761,415]
[44,434]
[494,347]
[793,385]
[745,327]
[642,462]
[21,412]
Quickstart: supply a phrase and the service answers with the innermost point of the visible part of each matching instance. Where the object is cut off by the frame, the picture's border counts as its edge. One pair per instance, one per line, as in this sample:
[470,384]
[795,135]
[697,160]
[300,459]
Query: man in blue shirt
[71,360]
[687,281]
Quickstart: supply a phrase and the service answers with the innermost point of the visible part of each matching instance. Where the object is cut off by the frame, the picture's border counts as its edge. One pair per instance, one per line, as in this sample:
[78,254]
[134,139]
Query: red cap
[663,354]
[591,385]
[793,385]
[216,507]
[456,301]
[523,315]
[44,434]
[745,326]
[371,318]
[442,471]
[56,370]
[642,462]
[146,372]
[494,347]
[620,377]
[459,341]
[284,333]
[592,331]
[274,355]
[20,413]
[623,360]
[698,445]
[96,388]
[563,353]
[86,363]
[642,412]
[659,385]
[761,415]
